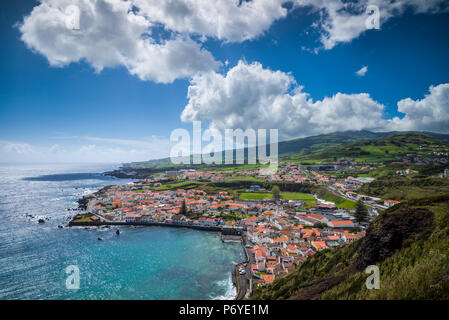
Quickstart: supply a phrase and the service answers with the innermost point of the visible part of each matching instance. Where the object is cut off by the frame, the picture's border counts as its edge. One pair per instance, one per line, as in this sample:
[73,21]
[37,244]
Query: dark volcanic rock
[389,231]
[83,202]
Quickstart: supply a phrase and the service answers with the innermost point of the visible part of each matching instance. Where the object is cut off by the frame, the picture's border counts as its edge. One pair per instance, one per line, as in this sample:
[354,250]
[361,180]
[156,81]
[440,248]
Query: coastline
[237,279]
[102,263]
[227,235]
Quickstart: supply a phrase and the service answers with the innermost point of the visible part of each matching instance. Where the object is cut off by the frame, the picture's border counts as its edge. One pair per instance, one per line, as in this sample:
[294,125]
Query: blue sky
[126,111]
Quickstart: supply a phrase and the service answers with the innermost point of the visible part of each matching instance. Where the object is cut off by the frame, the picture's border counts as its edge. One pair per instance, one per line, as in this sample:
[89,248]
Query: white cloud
[100,150]
[430,113]
[16,147]
[229,20]
[163,40]
[110,35]
[235,20]
[362,71]
[342,21]
[149,143]
[250,96]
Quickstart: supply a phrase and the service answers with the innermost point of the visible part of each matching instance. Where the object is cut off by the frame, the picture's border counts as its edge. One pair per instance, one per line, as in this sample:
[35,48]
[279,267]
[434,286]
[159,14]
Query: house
[303,219]
[208,222]
[130,217]
[296,203]
[351,194]
[341,224]
[171,173]
[319,245]
[254,187]
[318,218]
[390,203]
[267,278]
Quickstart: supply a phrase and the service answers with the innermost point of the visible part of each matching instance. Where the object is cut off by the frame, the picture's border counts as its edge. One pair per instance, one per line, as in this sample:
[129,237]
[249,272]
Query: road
[338,193]
[243,279]
[243,285]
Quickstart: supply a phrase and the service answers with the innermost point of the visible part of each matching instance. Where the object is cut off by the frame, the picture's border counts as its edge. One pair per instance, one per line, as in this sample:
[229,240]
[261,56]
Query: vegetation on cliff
[410,245]
[383,149]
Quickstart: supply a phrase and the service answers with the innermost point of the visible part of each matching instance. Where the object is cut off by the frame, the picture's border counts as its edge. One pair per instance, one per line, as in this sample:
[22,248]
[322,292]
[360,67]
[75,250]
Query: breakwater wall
[225,230]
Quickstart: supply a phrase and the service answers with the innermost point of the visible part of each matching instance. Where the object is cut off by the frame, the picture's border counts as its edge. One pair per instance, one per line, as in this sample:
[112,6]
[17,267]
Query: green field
[385,149]
[255,196]
[309,200]
[340,202]
[297,196]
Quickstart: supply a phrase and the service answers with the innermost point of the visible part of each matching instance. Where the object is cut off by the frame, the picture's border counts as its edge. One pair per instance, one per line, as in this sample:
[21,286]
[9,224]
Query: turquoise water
[140,263]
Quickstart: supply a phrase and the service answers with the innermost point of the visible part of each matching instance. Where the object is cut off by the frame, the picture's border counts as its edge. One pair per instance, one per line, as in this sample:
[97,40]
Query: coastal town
[281,219]
[277,233]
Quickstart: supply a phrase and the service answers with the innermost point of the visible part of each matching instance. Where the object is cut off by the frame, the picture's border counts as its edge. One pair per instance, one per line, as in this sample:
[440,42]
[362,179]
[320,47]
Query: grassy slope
[418,271]
[340,202]
[255,195]
[397,187]
[284,195]
[301,146]
[384,149]
[415,270]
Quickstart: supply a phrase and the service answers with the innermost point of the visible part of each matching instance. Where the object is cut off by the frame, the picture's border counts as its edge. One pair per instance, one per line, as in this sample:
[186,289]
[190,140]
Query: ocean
[140,263]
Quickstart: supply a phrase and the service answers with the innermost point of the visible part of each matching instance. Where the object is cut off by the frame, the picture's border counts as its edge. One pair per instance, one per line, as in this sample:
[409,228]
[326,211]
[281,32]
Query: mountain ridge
[307,145]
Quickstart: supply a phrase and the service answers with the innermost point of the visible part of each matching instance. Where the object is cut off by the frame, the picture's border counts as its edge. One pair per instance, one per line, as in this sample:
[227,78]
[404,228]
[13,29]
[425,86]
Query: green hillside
[327,141]
[296,148]
[384,149]
[410,245]
[396,187]
[360,145]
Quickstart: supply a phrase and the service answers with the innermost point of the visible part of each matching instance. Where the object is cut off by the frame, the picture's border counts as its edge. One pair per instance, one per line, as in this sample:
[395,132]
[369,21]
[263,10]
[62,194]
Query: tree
[183,209]
[275,191]
[361,213]
[320,225]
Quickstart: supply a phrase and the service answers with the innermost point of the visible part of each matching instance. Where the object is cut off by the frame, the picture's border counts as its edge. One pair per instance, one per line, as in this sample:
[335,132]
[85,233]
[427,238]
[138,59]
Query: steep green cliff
[410,245]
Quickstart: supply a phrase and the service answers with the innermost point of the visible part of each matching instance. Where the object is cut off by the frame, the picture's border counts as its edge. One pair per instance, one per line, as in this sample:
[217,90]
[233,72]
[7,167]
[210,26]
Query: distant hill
[326,141]
[303,146]
[386,148]
[408,243]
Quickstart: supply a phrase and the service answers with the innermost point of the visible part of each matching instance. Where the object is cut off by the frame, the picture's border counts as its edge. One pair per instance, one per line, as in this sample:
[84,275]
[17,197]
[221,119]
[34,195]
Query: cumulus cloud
[16,147]
[342,21]
[111,34]
[235,20]
[229,20]
[250,96]
[362,71]
[430,113]
[163,40]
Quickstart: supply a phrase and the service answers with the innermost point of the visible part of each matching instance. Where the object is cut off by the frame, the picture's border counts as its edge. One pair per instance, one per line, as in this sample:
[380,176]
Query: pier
[225,230]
